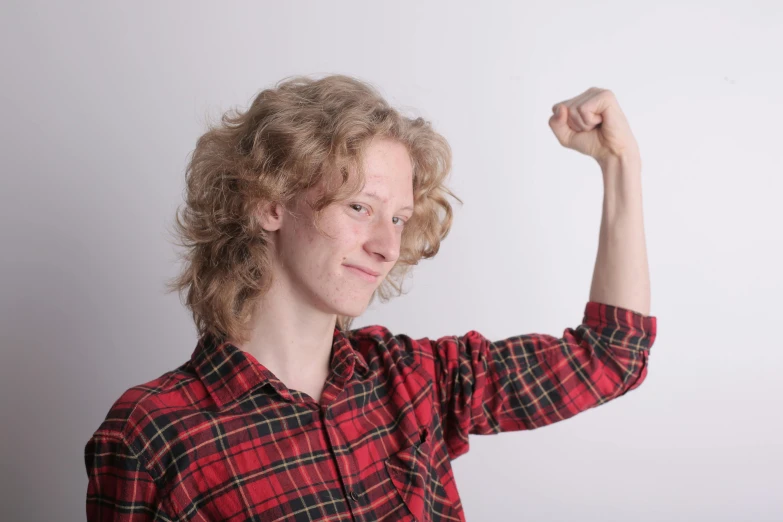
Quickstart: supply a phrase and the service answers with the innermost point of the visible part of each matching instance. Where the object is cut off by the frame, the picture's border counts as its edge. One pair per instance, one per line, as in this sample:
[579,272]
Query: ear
[270,216]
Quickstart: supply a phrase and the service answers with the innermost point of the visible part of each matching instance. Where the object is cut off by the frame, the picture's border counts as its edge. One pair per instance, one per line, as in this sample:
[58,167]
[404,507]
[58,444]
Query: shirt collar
[228,372]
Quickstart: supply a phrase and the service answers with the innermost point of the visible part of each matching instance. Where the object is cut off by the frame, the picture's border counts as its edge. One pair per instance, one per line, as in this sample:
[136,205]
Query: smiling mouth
[361,273]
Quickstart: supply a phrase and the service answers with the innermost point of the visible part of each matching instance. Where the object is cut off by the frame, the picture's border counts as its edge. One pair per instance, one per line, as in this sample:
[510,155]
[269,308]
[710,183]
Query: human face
[365,232]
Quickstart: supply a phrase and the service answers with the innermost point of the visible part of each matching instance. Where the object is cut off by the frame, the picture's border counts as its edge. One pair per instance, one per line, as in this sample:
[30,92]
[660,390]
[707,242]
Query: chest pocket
[413,477]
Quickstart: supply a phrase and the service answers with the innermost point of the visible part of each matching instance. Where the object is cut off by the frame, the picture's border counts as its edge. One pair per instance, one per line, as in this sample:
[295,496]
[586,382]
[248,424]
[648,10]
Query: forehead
[388,171]
[378,197]
[388,176]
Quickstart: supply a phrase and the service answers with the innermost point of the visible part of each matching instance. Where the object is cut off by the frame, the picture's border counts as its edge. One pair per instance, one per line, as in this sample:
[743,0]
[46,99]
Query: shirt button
[353,496]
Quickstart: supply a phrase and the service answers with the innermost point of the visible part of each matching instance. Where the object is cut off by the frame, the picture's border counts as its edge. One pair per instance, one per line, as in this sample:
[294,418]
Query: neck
[291,339]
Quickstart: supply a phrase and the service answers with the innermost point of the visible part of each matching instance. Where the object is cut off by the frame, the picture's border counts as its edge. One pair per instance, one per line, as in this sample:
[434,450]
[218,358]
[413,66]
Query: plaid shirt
[221,438]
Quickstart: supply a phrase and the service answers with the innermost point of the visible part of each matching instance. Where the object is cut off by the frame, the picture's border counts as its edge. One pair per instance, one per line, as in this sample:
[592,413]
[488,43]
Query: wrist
[629,161]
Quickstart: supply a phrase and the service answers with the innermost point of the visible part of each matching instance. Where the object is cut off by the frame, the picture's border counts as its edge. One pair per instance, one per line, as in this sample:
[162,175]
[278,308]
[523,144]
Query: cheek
[355,233]
[344,243]
[349,244]
[349,238]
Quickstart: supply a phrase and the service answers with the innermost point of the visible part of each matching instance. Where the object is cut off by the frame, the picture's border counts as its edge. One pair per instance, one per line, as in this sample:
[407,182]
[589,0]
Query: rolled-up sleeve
[532,380]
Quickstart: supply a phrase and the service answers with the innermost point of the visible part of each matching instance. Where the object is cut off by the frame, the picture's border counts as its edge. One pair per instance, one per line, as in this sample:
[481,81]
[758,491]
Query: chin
[350,311]
[353,309]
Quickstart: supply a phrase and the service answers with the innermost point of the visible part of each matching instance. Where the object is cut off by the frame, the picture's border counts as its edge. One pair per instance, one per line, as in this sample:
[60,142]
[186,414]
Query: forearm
[621,276]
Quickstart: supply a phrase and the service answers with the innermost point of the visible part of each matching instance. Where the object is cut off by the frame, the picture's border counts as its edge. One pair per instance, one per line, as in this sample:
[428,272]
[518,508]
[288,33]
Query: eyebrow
[373,195]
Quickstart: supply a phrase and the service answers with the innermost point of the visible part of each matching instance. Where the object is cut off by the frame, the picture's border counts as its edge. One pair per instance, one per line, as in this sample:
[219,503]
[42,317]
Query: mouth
[361,273]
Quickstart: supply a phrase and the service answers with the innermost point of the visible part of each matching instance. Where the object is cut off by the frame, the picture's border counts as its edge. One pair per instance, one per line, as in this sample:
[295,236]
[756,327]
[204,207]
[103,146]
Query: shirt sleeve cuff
[638,329]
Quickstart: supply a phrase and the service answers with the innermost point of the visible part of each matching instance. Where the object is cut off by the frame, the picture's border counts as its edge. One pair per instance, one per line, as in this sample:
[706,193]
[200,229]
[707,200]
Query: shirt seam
[137,456]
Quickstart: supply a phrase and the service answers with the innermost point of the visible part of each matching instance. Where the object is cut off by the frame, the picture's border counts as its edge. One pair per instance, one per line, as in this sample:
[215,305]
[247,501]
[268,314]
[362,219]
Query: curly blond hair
[294,136]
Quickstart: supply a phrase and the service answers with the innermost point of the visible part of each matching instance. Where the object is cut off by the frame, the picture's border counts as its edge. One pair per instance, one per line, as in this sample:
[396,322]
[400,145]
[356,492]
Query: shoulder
[145,410]
[377,341]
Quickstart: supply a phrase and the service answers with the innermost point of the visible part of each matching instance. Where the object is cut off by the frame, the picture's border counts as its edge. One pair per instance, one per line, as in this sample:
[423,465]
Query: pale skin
[596,126]
[291,332]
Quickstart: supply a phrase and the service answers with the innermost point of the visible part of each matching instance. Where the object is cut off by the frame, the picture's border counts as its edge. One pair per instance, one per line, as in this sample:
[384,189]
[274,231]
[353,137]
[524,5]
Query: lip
[361,272]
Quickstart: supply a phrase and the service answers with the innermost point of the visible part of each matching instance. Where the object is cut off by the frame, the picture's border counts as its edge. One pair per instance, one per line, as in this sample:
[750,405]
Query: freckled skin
[291,330]
[312,264]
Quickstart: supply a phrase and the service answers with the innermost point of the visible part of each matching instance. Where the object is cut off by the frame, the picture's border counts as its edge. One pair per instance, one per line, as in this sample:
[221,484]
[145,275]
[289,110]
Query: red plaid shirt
[221,438]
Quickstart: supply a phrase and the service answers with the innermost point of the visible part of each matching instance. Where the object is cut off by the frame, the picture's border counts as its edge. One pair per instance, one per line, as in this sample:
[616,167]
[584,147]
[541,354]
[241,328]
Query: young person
[300,211]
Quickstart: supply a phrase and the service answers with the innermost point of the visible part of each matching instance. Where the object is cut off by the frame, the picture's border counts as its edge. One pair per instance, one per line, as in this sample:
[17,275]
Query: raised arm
[593,124]
[621,276]
[532,380]
[528,381]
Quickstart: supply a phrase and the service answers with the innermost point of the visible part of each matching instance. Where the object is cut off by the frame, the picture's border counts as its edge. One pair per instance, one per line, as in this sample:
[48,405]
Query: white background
[102,102]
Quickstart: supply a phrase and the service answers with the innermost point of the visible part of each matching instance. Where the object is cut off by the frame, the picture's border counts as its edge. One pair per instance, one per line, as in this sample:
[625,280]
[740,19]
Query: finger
[591,110]
[562,132]
[561,108]
[557,117]
[576,117]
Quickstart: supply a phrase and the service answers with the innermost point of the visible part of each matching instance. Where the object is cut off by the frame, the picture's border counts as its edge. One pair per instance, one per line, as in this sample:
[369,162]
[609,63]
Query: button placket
[343,464]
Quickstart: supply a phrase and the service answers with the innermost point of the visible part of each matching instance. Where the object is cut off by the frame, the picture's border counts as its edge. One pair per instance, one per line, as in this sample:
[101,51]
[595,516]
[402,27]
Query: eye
[354,205]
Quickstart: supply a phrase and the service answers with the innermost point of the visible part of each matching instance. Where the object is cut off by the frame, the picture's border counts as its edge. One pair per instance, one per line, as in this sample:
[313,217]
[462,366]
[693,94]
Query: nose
[384,240]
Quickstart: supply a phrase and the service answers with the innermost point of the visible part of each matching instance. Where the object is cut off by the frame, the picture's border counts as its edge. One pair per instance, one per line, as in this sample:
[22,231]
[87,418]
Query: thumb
[556,120]
[561,130]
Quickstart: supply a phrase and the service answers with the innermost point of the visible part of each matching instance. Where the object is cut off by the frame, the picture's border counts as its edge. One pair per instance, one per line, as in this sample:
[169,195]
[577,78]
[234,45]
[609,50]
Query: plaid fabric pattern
[221,438]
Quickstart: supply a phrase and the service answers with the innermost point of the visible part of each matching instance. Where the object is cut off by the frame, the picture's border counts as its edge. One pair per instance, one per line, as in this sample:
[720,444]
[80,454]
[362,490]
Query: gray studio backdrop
[102,103]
